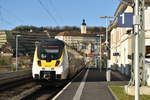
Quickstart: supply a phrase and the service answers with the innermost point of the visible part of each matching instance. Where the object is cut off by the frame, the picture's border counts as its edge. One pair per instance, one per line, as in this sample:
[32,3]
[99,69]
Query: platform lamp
[17,36]
[106,41]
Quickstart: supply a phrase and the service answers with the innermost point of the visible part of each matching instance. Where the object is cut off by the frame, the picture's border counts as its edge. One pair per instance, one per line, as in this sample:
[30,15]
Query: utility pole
[142,43]
[136,56]
[139,61]
[106,41]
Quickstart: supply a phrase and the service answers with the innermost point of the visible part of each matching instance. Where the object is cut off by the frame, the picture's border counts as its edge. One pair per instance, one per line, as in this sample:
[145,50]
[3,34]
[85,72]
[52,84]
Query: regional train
[55,60]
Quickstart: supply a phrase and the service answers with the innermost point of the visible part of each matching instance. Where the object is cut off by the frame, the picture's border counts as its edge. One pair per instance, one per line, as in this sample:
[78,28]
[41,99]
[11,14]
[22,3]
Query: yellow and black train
[55,60]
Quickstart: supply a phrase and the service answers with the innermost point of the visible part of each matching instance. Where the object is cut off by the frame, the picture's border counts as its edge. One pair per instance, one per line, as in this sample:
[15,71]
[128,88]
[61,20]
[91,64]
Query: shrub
[5,60]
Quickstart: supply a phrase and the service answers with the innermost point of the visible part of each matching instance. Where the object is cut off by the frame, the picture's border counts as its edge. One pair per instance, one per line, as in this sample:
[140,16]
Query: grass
[121,95]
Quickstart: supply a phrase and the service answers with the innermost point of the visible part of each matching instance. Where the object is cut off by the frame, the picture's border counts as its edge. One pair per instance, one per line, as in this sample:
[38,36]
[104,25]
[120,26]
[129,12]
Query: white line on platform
[58,94]
[80,88]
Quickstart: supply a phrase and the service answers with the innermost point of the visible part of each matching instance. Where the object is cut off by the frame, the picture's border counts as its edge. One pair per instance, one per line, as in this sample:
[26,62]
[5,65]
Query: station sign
[125,20]
[97,55]
[116,54]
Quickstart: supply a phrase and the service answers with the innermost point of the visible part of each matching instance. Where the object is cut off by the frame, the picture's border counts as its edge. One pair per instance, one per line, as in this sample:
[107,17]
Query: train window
[43,56]
[147,56]
[52,50]
[49,52]
[147,49]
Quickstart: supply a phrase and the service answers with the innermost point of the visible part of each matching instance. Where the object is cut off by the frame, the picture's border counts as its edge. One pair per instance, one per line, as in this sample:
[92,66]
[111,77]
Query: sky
[51,13]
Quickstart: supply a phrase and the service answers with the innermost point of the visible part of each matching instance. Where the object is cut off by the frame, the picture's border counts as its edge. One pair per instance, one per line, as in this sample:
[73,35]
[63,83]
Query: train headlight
[57,63]
[39,63]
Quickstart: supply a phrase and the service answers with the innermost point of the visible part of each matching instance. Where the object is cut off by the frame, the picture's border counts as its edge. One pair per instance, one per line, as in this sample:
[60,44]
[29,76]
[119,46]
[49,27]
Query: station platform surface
[90,84]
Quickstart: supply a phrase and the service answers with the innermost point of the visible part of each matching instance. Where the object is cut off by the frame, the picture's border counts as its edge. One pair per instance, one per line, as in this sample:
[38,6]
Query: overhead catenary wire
[4,22]
[12,14]
[51,2]
[48,12]
[2,19]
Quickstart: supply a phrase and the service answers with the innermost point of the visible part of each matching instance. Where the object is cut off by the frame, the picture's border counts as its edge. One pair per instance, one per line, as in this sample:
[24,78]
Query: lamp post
[100,51]
[17,51]
[106,41]
[106,17]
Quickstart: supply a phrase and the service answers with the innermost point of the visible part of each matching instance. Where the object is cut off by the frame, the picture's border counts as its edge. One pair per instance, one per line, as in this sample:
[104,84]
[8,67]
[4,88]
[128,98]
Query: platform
[90,84]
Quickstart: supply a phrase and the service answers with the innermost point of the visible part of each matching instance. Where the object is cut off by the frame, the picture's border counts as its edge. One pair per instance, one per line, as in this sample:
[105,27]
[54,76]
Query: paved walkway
[90,84]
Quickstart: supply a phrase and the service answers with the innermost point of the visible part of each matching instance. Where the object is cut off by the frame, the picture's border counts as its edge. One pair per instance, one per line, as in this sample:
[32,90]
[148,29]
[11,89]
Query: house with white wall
[121,45]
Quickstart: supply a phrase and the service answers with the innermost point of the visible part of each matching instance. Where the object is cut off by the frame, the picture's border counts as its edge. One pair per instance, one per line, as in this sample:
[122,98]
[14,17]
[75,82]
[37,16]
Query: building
[26,41]
[3,39]
[84,42]
[5,48]
[122,40]
[83,27]
[88,44]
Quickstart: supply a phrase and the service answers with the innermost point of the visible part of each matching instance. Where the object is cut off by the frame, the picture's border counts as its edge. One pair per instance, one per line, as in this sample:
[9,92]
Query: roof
[52,41]
[131,1]
[77,34]
[83,23]
[124,3]
[122,7]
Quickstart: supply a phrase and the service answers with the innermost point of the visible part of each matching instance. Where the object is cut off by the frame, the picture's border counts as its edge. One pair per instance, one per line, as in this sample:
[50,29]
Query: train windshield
[46,52]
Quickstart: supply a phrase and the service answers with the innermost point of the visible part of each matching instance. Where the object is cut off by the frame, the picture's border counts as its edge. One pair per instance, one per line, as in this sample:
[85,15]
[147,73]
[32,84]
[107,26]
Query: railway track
[48,92]
[14,84]
[11,87]
[18,92]
[15,76]
[27,89]
[44,93]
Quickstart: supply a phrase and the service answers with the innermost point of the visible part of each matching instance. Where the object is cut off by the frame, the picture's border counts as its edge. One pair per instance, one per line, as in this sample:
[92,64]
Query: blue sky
[63,12]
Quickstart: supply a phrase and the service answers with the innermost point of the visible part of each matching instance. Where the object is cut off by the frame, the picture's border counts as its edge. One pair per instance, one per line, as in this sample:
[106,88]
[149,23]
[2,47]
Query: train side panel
[65,64]
[76,61]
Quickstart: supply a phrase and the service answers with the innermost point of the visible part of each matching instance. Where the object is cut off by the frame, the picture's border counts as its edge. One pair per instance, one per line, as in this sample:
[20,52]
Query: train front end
[48,60]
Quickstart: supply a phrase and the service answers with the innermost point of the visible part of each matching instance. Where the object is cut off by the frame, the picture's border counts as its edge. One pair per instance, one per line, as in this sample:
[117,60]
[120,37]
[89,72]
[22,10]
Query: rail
[13,76]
